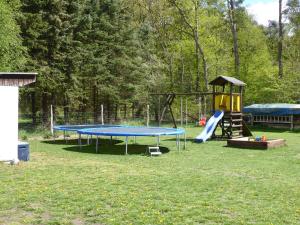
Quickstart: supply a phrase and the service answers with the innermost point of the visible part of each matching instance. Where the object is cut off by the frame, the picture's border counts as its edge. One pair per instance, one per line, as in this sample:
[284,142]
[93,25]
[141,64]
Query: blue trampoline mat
[131,131]
[80,127]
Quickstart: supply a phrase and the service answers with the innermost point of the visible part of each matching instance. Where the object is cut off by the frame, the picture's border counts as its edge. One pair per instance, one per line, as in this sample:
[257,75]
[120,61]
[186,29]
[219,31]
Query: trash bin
[23,151]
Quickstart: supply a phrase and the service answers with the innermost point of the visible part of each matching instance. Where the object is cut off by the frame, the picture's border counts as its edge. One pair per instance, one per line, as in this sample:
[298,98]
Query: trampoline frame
[177,132]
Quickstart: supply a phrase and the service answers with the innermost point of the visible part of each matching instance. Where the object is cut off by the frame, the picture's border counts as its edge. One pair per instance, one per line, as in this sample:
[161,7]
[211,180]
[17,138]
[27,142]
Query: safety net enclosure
[80,127]
[132,131]
[275,114]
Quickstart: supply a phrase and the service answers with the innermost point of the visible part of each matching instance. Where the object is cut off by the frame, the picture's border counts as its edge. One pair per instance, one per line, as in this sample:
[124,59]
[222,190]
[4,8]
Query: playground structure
[227,97]
[231,103]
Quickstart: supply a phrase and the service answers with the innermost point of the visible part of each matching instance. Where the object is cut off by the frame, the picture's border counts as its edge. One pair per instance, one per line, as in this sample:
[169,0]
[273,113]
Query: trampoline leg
[179,137]
[88,139]
[126,147]
[65,136]
[91,139]
[111,140]
[79,140]
[97,141]
[177,142]
[157,141]
[184,145]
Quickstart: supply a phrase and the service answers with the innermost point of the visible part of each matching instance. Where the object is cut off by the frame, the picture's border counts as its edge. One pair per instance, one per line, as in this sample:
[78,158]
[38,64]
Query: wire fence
[185,111]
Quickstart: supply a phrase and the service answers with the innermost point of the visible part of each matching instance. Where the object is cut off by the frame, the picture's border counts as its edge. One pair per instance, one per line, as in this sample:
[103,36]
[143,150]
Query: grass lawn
[204,184]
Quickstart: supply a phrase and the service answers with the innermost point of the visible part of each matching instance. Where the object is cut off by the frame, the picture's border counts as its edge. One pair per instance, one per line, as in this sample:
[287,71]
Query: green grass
[204,184]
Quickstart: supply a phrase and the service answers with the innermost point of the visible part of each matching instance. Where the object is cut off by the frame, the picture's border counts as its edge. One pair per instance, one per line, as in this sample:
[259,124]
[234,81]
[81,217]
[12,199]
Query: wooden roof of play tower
[223,80]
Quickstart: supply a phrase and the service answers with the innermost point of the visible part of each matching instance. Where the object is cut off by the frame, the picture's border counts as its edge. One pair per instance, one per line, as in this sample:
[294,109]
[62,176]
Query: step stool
[154,151]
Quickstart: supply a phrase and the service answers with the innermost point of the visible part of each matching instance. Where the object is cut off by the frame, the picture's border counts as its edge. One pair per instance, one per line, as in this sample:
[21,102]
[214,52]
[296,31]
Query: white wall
[9,101]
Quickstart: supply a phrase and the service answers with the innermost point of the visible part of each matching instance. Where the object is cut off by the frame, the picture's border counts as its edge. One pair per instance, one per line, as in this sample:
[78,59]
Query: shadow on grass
[105,147]
[257,128]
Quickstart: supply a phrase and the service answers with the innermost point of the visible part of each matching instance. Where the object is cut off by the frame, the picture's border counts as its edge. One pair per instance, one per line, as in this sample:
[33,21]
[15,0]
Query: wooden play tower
[228,97]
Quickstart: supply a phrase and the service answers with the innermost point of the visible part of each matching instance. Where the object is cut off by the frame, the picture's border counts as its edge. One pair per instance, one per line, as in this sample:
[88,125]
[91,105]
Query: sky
[263,10]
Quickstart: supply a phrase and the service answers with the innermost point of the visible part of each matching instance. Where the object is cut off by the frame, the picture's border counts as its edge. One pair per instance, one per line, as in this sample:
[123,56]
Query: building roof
[17,79]
[222,80]
[277,109]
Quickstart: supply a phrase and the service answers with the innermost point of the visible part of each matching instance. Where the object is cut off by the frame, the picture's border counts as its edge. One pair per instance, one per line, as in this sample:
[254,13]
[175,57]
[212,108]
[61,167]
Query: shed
[9,101]
[275,114]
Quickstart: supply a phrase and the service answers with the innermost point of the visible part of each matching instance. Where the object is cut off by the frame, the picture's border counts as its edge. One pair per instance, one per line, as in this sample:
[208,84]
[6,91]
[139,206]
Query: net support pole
[148,115]
[184,146]
[51,120]
[181,112]
[102,115]
[186,112]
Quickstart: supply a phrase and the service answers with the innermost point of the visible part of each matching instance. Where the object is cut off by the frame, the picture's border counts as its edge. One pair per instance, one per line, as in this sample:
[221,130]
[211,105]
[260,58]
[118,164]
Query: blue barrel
[23,151]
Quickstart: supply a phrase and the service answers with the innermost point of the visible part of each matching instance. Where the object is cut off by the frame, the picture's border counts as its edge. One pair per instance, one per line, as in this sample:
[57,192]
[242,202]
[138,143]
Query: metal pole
[181,112]
[184,146]
[157,141]
[200,107]
[51,119]
[148,115]
[79,140]
[179,142]
[97,141]
[126,147]
[102,115]
[134,139]
[186,112]
[159,111]
[88,139]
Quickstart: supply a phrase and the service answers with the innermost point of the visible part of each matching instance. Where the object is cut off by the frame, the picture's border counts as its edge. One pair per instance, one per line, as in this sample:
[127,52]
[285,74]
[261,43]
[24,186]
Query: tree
[11,50]
[233,26]
[280,41]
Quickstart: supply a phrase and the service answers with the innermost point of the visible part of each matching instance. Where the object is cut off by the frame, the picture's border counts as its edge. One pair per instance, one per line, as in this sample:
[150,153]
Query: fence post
[148,115]
[200,114]
[186,112]
[102,116]
[181,112]
[51,119]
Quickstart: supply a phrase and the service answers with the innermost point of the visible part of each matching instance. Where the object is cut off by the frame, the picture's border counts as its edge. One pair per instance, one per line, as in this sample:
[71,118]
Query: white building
[9,104]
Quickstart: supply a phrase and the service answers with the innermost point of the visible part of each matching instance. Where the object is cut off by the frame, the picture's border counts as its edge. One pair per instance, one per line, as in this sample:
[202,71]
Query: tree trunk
[280,40]
[233,26]
[199,53]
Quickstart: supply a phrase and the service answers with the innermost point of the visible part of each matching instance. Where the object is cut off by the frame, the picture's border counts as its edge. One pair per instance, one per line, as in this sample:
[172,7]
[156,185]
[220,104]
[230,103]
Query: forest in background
[116,52]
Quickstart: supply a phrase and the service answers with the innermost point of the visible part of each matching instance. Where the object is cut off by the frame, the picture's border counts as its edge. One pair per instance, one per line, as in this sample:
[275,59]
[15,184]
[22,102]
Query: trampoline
[133,132]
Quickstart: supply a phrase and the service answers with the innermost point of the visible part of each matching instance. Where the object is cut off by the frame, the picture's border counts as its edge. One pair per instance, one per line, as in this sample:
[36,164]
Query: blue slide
[210,127]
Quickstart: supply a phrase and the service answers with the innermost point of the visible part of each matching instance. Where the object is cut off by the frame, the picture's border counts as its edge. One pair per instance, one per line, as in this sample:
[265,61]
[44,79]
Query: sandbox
[245,142]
